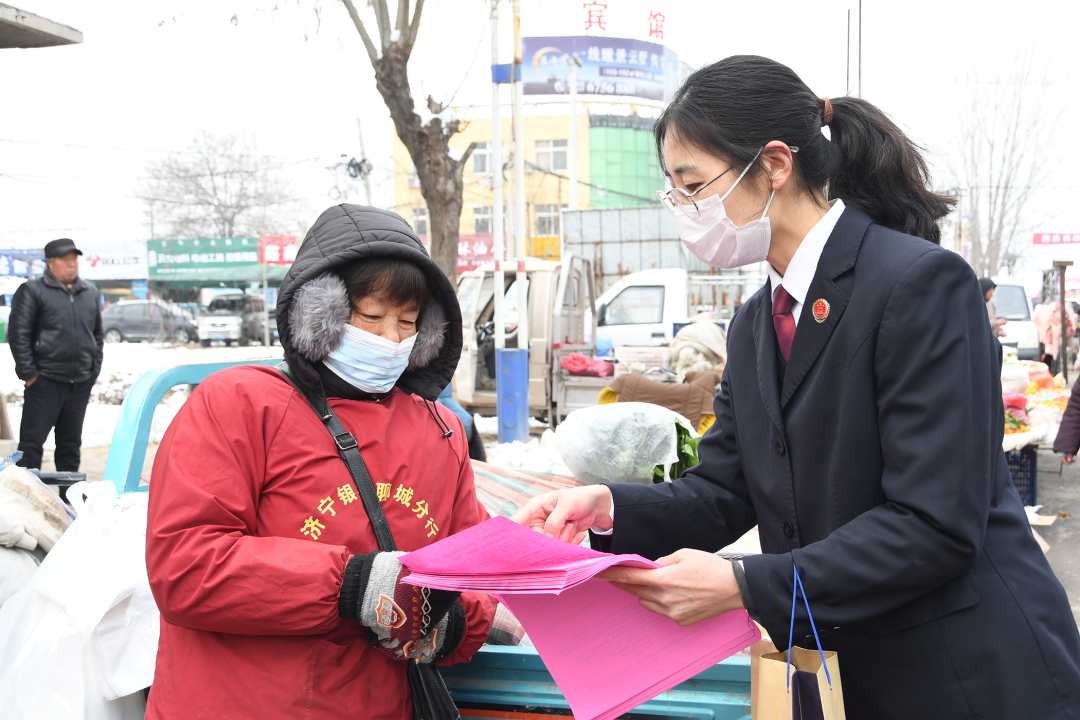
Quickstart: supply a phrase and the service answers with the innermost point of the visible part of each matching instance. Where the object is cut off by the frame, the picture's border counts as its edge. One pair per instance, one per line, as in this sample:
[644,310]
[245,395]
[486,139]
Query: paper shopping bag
[809,695]
[761,647]
[799,684]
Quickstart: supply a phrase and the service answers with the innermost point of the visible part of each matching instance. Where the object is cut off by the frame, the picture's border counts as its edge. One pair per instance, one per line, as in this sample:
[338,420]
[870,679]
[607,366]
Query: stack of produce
[1016,419]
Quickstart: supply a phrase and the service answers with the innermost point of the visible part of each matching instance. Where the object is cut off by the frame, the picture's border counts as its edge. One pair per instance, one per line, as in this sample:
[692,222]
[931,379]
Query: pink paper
[608,654]
[493,547]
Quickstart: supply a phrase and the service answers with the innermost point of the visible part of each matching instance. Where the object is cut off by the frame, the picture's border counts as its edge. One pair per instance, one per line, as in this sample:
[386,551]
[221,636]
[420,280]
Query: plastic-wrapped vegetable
[620,442]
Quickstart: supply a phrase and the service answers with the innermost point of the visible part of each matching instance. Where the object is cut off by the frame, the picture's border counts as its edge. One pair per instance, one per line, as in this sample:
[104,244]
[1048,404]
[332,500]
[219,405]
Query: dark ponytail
[734,107]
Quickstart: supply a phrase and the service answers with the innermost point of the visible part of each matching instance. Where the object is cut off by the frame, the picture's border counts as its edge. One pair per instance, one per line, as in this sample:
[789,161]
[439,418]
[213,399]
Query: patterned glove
[405,621]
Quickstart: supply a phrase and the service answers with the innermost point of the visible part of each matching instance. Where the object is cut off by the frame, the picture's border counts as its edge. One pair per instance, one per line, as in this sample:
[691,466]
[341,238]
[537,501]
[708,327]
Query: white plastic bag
[81,639]
[618,442]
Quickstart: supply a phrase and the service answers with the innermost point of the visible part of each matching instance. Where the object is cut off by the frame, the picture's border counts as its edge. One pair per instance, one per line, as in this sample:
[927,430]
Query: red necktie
[783,320]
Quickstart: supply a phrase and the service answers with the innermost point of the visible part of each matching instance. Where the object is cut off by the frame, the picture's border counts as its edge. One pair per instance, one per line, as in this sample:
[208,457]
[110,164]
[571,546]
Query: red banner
[1056,238]
[473,250]
[277,249]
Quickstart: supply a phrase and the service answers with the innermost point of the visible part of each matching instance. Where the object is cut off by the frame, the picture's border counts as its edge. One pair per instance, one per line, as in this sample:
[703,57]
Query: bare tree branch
[220,188]
[371,51]
[402,18]
[415,27]
[382,17]
[1001,168]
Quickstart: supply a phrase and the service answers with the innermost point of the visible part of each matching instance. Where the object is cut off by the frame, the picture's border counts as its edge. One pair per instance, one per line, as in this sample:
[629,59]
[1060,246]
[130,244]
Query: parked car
[134,321]
[1011,302]
[141,320]
[232,318]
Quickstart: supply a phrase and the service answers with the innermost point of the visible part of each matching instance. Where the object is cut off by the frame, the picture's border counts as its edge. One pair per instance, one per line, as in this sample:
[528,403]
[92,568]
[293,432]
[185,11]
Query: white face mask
[368,361]
[713,238]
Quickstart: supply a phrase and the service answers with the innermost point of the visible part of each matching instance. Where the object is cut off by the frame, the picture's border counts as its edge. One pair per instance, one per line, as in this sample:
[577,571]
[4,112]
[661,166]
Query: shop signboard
[620,67]
[22,263]
[1057,238]
[204,258]
[114,261]
[277,249]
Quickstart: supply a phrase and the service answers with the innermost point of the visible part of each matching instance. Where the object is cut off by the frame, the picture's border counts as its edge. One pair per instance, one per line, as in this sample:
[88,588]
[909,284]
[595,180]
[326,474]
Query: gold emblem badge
[821,310]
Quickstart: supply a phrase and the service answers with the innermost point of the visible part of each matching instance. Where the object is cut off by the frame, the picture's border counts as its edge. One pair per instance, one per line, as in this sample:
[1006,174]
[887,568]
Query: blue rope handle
[797,586]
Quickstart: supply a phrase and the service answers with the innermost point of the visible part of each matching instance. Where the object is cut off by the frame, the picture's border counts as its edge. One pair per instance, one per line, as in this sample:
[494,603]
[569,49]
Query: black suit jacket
[877,468]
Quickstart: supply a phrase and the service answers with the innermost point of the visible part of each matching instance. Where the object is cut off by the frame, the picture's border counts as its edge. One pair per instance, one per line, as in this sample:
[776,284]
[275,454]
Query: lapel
[840,253]
[766,348]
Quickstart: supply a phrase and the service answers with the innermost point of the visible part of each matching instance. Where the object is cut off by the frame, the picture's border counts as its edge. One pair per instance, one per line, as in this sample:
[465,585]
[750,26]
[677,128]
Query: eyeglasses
[679,198]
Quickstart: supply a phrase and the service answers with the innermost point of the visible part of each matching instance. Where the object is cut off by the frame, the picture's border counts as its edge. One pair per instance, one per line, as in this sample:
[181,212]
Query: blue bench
[506,682]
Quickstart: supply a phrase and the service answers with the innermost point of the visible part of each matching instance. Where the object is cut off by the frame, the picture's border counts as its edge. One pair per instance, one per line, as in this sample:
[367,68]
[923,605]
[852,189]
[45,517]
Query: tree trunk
[440,175]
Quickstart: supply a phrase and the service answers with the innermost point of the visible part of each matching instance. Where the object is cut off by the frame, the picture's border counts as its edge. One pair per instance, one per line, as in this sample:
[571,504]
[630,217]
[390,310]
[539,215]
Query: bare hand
[1068,459]
[691,587]
[31,381]
[567,515]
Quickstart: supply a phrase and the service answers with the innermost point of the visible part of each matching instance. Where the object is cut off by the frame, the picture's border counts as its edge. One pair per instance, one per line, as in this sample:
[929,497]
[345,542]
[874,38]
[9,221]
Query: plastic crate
[1023,465]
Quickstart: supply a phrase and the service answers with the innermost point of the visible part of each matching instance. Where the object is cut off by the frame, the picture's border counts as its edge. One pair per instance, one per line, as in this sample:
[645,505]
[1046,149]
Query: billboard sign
[1056,238]
[116,261]
[277,249]
[19,263]
[474,249]
[173,259]
[619,67]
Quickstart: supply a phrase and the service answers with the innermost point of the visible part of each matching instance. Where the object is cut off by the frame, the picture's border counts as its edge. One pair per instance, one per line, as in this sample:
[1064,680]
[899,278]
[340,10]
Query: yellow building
[616,167]
[546,149]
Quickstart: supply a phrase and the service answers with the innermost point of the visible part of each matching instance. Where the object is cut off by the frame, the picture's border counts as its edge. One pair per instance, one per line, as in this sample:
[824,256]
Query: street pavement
[1061,493]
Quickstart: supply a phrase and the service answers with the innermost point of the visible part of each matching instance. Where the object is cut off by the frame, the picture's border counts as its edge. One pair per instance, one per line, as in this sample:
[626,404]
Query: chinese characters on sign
[594,15]
[1056,238]
[277,249]
[610,66]
[656,24]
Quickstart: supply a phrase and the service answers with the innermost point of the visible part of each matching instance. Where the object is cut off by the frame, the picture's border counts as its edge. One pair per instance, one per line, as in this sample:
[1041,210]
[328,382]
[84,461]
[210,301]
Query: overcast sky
[78,124]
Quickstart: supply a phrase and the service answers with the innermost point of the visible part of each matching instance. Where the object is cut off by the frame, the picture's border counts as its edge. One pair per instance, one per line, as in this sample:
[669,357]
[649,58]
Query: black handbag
[431,699]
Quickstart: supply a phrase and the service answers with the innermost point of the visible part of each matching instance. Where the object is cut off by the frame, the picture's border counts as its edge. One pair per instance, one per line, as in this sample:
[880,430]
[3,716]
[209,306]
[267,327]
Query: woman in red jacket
[275,601]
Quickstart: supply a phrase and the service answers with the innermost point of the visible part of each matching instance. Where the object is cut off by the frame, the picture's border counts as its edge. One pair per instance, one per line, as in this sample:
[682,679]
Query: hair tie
[828,111]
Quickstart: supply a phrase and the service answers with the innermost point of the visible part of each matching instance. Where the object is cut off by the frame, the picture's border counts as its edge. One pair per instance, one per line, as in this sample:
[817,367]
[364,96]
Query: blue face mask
[369,362]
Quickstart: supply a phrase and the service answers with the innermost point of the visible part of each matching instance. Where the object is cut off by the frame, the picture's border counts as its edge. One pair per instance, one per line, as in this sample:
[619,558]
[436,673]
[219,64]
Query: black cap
[60,248]
[986,284]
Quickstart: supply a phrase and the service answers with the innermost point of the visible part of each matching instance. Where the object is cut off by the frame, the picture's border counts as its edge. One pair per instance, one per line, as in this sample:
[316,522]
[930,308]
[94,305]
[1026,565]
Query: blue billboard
[609,66]
[20,262]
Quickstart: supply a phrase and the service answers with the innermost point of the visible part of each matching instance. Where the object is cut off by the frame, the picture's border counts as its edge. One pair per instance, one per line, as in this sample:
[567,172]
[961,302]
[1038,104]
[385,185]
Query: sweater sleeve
[208,570]
[1068,437]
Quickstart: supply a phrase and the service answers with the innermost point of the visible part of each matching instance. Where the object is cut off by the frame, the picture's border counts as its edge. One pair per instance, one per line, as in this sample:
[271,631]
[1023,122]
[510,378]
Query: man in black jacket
[56,338]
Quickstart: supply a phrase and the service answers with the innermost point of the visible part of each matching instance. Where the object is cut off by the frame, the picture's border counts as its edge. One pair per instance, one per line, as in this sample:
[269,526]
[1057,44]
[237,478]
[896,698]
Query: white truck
[560,295]
[649,281]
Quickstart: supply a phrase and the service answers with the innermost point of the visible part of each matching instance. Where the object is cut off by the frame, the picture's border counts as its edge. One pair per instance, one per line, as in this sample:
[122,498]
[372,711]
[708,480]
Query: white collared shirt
[803,266]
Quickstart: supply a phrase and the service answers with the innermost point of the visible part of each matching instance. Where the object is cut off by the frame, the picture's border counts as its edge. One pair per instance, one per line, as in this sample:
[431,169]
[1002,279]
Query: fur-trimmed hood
[313,307]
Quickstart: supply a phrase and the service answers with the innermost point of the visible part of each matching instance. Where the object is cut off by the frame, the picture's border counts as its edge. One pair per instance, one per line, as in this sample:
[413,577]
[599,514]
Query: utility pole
[1063,360]
[574,65]
[519,184]
[860,48]
[363,156]
[498,249]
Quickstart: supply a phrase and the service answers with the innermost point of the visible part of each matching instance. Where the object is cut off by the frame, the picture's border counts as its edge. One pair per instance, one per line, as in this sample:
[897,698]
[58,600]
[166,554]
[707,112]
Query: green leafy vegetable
[686,442]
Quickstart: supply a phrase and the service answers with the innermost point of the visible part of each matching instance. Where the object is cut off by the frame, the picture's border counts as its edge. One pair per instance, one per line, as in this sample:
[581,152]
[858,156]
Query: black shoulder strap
[350,453]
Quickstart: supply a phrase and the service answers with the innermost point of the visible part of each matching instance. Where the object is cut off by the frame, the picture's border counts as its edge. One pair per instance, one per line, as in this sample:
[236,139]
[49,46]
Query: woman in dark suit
[858,424]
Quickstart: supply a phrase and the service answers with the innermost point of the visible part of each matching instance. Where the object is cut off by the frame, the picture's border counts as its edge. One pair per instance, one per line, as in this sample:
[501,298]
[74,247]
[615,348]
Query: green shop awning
[208,261]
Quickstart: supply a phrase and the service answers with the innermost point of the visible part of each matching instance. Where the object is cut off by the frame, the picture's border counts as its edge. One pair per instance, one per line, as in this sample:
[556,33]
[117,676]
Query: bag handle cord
[791,630]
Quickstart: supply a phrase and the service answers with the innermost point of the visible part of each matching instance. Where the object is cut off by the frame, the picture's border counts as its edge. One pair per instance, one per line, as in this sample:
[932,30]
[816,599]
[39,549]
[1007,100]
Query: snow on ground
[121,366]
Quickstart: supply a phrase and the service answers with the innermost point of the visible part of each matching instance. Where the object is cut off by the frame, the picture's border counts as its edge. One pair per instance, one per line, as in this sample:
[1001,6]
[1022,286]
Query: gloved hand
[406,621]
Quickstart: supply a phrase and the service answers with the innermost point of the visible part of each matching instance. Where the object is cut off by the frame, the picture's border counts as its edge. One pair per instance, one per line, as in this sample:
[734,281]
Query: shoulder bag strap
[431,698]
[350,453]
